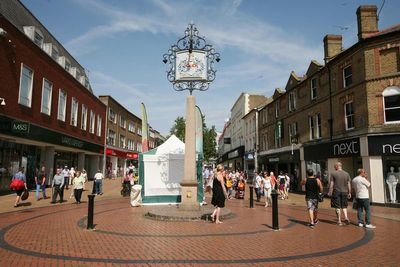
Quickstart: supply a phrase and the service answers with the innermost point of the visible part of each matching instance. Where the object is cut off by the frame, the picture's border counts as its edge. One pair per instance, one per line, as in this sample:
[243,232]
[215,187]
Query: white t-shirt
[360,185]
[267,183]
[98,176]
[258,182]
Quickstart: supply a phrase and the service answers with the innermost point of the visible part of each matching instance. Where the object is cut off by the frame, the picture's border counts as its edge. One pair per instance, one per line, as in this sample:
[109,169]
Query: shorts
[339,200]
[312,204]
[281,187]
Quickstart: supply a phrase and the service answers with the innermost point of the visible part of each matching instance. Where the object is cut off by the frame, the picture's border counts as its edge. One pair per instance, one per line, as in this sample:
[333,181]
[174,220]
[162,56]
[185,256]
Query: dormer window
[38,39]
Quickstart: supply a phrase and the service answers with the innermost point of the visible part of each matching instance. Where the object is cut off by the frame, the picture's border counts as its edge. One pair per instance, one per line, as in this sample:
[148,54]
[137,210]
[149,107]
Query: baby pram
[126,189]
[240,190]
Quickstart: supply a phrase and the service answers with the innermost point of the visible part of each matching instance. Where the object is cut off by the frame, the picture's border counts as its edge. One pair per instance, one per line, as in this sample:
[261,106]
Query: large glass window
[74,112]
[391,98]
[47,91]
[349,115]
[347,76]
[391,176]
[320,171]
[62,105]
[84,117]
[25,87]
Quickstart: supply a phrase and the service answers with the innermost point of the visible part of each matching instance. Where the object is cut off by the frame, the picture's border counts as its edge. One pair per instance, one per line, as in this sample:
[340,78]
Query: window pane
[392,114]
[26,85]
[392,101]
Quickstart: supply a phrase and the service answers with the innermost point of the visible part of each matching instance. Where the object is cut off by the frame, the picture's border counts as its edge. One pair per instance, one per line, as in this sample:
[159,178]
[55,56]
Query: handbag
[25,194]
[320,197]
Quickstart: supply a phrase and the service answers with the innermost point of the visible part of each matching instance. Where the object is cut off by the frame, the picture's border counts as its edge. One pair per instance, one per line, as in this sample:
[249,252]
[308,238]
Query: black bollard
[275,223]
[90,212]
[251,205]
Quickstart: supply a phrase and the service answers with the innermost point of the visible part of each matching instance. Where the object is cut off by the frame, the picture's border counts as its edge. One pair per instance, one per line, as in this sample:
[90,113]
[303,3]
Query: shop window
[391,179]
[74,112]
[391,103]
[25,88]
[349,115]
[320,171]
[47,91]
[62,105]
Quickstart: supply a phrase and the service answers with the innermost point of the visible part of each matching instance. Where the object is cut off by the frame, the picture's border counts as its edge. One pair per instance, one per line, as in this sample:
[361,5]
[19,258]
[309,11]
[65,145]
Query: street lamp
[191,67]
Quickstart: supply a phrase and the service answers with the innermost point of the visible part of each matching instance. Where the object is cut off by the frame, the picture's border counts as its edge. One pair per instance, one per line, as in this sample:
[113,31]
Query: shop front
[118,161]
[249,162]
[322,157]
[23,144]
[385,150]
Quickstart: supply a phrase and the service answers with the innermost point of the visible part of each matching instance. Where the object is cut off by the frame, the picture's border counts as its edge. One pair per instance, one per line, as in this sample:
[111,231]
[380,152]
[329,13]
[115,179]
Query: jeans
[99,186]
[38,187]
[363,203]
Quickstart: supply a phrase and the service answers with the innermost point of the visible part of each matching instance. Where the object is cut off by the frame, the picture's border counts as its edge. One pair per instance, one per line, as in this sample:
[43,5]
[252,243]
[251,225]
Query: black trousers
[78,194]
[57,191]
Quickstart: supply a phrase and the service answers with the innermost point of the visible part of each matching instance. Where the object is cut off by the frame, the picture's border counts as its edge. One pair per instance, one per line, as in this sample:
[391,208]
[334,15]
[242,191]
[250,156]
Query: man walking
[361,185]
[98,179]
[58,184]
[340,190]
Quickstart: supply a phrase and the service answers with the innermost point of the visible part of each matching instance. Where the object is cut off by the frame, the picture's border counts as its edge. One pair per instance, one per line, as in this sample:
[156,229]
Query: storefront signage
[249,156]
[71,142]
[121,154]
[346,148]
[273,159]
[233,154]
[343,148]
[384,145]
[20,127]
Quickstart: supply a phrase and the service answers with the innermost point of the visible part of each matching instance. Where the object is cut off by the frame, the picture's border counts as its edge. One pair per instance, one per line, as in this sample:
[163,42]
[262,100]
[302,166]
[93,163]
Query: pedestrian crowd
[64,179]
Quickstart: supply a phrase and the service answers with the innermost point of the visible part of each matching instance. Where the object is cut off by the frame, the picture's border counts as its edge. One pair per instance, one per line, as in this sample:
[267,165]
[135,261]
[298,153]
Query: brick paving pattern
[56,235]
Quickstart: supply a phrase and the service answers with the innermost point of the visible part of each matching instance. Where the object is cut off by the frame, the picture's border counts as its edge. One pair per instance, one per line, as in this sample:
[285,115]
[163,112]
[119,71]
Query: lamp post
[191,67]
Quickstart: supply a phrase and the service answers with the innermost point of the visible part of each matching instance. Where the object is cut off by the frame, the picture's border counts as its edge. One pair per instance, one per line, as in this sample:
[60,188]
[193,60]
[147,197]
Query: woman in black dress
[219,193]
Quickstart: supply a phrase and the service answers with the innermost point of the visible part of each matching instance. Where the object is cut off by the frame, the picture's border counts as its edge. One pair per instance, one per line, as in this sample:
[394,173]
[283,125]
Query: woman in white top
[266,182]
[78,182]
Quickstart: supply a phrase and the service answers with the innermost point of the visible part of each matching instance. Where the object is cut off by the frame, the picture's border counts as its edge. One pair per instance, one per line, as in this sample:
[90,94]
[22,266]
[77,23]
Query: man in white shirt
[361,185]
[98,180]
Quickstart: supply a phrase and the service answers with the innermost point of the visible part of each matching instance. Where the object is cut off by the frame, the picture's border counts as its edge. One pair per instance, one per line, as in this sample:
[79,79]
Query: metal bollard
[90,212]
[251,205]
[275,223]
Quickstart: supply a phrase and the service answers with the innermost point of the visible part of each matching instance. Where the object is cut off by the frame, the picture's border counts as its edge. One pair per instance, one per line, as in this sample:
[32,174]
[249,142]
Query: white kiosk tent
[161,171]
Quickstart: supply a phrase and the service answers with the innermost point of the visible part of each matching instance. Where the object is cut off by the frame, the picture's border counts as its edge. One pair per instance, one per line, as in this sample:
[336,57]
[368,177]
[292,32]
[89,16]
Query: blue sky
[121,43]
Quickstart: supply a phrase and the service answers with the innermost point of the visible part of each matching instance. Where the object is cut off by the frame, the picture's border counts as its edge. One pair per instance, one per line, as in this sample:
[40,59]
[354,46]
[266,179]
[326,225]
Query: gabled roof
[277,93]
[292,81]
[313,68]
[394,28]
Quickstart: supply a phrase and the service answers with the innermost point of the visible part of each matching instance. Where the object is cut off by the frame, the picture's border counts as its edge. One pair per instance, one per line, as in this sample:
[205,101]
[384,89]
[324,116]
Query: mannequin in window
[391,181]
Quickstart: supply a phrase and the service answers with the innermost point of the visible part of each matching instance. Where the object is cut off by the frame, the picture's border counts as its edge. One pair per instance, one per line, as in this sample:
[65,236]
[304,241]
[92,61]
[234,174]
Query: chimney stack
[332,46]
[367,20]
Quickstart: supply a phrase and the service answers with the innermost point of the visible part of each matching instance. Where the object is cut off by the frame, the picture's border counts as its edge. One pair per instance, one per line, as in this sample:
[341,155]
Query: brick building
[123,137]
[347,109]
[51,115]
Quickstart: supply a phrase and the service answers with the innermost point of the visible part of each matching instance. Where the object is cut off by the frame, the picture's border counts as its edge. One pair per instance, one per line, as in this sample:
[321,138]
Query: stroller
[126,189]
[240,190]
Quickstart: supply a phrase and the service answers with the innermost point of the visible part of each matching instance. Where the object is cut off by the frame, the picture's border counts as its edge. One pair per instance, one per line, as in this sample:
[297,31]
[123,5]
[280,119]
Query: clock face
[191,66]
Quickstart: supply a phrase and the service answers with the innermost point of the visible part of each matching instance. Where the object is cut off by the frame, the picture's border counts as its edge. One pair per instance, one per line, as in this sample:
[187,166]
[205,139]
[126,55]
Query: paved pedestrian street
[56,235]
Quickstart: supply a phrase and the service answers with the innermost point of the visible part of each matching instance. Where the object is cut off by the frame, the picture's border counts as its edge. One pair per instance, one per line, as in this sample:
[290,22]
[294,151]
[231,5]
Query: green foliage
[209,137]
[179,128]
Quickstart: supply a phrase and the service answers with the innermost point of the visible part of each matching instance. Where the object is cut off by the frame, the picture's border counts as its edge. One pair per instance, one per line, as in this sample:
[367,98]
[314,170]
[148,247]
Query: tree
[179,128]
[209,137]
